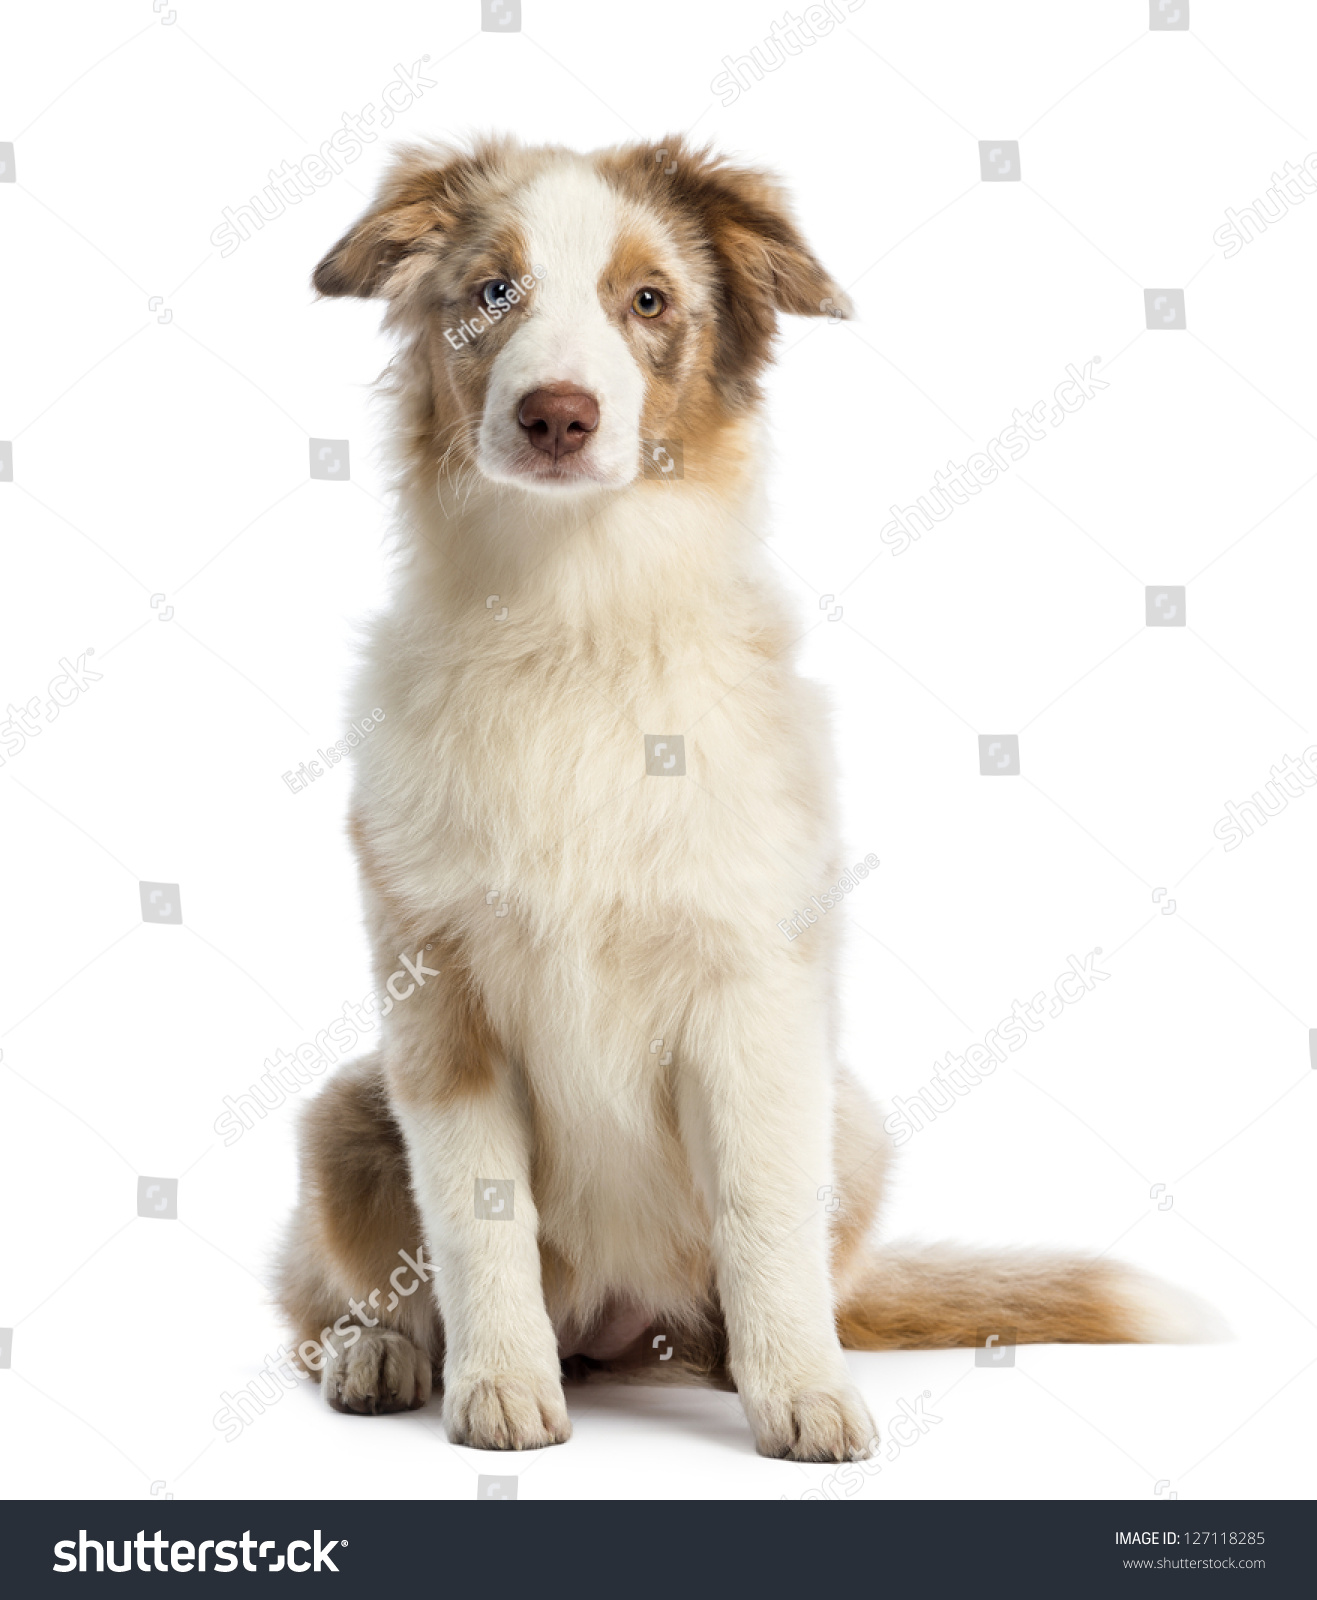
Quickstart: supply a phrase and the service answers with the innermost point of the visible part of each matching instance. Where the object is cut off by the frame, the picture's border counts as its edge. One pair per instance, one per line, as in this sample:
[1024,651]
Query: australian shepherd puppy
[606,1114]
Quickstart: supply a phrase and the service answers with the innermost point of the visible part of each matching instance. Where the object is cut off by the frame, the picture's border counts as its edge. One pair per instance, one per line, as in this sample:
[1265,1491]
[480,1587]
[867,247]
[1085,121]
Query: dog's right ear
[418,201]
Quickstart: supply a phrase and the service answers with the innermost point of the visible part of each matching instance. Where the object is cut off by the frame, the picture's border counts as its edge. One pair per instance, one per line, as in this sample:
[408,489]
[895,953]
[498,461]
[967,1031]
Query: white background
[170,458]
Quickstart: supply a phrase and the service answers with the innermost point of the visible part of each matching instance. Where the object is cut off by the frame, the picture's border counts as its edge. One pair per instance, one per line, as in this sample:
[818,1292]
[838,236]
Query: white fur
[622,892]
[656,1068]
[570,217]
[509,775]
[1163,1313]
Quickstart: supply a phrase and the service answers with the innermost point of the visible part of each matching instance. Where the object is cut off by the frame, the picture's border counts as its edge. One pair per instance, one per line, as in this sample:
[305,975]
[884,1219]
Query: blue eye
[495,294]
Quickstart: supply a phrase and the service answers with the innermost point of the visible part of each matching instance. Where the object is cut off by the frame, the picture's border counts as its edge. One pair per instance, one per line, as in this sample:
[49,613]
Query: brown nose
[558,419]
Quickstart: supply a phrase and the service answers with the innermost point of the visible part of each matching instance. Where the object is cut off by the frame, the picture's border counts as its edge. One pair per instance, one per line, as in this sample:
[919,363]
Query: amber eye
[648,303]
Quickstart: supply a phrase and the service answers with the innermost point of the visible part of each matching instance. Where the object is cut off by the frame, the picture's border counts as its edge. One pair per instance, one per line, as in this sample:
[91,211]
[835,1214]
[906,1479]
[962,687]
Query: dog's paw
[505,1410]
[378,1372]
[827,1423]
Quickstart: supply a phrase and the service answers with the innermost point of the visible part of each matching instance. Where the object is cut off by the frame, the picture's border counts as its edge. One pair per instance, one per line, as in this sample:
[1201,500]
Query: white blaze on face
[571,219]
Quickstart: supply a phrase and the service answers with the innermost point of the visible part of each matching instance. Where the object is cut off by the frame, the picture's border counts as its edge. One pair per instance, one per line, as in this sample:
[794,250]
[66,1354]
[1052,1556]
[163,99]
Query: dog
[607,1100]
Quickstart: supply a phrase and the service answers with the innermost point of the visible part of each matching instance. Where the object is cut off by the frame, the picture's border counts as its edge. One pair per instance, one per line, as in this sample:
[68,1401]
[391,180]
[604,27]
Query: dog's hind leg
[378,1371]
[353,1270]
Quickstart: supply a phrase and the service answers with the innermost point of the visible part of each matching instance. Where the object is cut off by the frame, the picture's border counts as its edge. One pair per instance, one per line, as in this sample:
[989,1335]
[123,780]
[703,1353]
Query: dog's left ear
[764,264]
[752,228]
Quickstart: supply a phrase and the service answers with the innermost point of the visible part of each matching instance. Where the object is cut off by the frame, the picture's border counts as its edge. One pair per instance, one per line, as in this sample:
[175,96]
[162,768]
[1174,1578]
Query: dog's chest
[596,779]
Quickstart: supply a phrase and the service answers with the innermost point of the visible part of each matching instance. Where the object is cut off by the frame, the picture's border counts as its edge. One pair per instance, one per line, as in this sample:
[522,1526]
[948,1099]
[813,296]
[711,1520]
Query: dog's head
[570,310]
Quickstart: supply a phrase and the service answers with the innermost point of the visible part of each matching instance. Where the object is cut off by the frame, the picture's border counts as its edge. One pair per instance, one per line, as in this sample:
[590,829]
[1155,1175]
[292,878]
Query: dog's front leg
[468,1143]
[756,1103]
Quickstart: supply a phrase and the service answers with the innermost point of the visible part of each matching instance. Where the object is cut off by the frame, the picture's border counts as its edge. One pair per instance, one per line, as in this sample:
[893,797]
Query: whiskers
[450,470]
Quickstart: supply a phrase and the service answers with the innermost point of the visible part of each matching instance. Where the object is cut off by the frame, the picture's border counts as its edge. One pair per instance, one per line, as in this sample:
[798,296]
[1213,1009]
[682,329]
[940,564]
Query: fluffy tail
[936,1297]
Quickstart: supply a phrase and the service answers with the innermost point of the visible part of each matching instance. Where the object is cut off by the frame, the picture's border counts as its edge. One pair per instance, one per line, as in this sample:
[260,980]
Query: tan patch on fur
[665,347]
[356,1155]
[429,194]
[465,1047]
[356,1212]
[463,1056]
[437,229]
[740,221]
[939,1298]
[723,246]
[495,248]
[943,1297]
